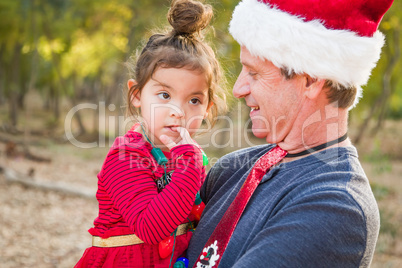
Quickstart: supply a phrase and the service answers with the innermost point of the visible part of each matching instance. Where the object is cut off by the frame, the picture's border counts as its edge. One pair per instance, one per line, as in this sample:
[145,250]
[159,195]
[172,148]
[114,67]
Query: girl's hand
[185,139]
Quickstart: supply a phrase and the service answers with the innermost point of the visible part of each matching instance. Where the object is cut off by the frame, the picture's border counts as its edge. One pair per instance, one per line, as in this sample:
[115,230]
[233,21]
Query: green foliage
[387,224]
[380,191]
[391,22]
[380,161]
[71,45]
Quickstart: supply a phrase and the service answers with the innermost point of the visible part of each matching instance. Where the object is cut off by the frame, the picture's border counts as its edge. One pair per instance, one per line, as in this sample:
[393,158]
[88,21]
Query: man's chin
[260,134]
[273,140]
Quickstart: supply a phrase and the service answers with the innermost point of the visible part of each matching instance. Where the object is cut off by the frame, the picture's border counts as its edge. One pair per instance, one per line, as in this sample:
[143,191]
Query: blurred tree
[383,94]
[76,49]
[13,34]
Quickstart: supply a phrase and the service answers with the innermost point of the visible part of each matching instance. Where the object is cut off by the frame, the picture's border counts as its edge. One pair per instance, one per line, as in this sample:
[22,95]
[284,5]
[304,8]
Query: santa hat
[335,39]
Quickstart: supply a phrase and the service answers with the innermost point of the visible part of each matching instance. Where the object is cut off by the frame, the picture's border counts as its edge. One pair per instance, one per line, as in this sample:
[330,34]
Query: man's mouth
[255,108]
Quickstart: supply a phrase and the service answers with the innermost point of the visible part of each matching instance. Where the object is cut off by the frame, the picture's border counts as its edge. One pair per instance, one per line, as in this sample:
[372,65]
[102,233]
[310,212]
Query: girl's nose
[176,111]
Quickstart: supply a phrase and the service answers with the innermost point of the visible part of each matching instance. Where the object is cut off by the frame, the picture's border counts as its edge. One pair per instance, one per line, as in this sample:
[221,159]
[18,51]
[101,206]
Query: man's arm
[324,229]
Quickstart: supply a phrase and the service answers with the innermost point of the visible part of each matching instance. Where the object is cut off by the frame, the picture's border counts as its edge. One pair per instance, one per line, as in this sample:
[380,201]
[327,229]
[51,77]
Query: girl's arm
[127,177]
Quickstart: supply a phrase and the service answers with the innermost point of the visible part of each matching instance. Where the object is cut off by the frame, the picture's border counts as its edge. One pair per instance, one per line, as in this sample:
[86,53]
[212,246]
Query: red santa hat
[335,39]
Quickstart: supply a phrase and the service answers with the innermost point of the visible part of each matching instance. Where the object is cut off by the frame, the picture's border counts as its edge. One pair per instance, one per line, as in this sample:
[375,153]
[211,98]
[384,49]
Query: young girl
[148,183]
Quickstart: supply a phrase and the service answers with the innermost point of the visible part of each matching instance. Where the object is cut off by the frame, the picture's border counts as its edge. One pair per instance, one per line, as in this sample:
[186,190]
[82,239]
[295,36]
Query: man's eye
[195,101]
[252,74]
[164,96]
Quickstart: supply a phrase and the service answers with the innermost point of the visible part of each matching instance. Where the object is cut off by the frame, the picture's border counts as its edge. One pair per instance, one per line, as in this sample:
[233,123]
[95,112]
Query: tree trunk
[77,115]
[12,176]
[382,100]
[32,77]
[53,102]
[21,97]
[56,105]
[14,83]
[386,83]
[47,102]
[13,107]
[2,76]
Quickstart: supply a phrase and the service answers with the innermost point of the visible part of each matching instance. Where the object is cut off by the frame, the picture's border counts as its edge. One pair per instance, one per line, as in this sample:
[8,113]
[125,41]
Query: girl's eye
[195,101]
[164,96]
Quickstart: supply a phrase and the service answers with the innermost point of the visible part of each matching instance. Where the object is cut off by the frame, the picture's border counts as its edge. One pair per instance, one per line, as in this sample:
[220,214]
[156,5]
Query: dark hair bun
[189,17]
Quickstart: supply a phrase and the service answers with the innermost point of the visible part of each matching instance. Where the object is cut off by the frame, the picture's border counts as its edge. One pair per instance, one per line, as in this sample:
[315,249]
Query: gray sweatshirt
[318,211]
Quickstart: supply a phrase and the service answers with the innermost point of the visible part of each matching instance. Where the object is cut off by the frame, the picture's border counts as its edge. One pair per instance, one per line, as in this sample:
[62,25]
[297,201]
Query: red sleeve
[127,178]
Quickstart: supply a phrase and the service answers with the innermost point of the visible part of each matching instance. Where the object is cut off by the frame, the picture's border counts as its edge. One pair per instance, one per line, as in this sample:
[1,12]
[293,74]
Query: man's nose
[241,88]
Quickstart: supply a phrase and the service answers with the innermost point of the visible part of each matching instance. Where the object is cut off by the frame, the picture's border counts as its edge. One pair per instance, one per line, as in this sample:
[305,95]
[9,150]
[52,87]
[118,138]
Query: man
[304,62]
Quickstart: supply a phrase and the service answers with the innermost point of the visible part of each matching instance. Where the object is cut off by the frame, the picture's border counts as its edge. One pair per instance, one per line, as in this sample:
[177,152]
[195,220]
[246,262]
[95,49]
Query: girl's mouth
[172,128]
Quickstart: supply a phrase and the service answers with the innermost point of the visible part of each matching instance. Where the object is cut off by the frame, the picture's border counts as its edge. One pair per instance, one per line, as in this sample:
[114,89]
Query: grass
[380,160]
[380,191]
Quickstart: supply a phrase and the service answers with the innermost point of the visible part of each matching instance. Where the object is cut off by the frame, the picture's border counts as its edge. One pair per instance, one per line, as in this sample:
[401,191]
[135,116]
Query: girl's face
[172,98]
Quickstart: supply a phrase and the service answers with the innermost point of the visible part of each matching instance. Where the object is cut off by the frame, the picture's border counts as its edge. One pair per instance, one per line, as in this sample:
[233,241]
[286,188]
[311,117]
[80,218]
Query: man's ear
[136,95]
[313,87]
[208,108]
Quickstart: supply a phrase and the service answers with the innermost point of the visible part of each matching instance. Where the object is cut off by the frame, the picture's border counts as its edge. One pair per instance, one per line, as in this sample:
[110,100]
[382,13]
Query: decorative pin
[156,152]
[209,256]
[166,247]
[204,158]
[181,263]
[159,156]
[198,207]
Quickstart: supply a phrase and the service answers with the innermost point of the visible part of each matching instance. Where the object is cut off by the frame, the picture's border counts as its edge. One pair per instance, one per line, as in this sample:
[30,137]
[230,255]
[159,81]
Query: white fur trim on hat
[305,46]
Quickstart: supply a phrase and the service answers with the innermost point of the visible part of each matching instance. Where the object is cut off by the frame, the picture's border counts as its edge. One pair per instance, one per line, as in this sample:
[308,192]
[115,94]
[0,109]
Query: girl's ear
[136,96]
[208,108]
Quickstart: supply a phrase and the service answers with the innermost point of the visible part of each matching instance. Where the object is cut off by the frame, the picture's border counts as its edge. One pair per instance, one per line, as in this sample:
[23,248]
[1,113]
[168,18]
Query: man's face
[274,101]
